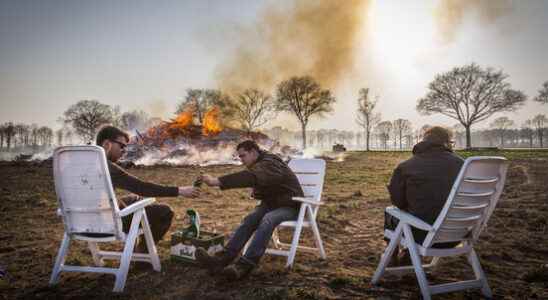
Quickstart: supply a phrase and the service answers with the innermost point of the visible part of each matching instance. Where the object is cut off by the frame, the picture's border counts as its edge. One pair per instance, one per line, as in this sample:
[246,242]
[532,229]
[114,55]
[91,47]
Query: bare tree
[528,132]
[202,100]
[253,108]
[542,96]
[470,94]
[87,116]
[59,134]
[321,136]
[303,97]
[9,133]
[34,134]
[540,122]
[2,135]
[45,135]
[501,124]
[402,128]
[68,136]
[384,129]
[20,132]
[367,119]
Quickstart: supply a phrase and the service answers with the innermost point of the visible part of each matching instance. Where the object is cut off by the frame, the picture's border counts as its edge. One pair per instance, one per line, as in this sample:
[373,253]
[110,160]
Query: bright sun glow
[403,36]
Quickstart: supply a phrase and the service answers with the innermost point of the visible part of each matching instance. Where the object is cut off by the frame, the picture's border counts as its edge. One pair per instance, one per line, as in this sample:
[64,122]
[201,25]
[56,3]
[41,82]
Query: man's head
[439,135]
[248,152]
[113,140]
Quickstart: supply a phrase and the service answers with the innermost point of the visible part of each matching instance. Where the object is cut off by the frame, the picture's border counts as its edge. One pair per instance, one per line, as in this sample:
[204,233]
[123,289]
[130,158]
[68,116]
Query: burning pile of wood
[180,141]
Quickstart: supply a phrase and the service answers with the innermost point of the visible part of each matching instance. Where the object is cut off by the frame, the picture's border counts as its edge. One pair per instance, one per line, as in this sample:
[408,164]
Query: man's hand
[189,191]
[210,180]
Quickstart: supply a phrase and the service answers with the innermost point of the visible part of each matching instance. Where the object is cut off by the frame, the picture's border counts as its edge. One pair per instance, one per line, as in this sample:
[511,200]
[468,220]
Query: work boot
[238,270]
[213,262]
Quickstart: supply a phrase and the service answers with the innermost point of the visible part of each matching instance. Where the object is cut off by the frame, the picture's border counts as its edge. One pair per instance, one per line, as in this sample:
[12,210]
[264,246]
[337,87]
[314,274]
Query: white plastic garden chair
[311,173]
[90,213]
[469,205]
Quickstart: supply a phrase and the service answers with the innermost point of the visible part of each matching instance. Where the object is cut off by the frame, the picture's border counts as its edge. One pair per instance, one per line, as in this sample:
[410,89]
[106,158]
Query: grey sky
[145,54]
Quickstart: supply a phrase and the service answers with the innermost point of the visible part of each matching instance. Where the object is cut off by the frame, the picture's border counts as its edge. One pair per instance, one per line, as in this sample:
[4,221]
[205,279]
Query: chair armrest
[59,212]
[307,200]
[408,218]
[136,206]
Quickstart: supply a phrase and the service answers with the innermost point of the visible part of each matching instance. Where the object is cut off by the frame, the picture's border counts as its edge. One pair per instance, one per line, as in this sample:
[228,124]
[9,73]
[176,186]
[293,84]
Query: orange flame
[211,124]
[183,120]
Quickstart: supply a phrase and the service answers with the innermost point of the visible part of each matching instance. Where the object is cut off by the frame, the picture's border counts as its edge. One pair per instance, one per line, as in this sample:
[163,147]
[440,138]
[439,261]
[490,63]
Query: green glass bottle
[193,230]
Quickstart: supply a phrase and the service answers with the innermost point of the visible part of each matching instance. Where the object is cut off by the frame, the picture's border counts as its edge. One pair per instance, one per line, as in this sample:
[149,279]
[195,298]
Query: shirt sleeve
[397,188]
[242,179]
[122,179]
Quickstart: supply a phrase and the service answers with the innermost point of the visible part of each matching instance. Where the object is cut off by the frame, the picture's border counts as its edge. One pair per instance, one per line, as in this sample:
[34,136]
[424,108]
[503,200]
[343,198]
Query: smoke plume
[450,14]
[316,38]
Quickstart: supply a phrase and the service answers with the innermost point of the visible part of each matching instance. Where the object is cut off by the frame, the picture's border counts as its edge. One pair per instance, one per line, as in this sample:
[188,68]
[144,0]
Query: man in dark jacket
[114,141]
[274,184]
[421,184]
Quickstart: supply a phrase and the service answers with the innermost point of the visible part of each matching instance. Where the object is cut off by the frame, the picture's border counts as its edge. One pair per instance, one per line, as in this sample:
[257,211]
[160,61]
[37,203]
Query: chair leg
[121,275]
[387,255]
[151,247]
[316,231]
[94,249]
[60,260]
[478,272]
[296,237]
[417,263]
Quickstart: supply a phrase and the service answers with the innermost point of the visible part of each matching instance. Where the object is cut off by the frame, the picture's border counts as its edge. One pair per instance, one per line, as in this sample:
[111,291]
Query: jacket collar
[425,146]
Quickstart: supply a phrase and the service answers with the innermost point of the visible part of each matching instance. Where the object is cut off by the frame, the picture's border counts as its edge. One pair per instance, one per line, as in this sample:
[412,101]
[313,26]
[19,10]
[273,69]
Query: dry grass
[513,250]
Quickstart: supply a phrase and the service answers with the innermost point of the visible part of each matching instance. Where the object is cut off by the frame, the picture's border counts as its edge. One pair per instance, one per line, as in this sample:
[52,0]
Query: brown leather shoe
[213,262]
[238,270]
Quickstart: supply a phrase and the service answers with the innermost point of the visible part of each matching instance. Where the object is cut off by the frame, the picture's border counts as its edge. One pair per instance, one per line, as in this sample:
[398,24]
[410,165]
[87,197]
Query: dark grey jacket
[421,184]
[272,181]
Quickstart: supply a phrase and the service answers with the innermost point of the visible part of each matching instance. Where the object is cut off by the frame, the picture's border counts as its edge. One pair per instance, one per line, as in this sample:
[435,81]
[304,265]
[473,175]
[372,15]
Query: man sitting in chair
[114,141]
[421,184]
[274,184]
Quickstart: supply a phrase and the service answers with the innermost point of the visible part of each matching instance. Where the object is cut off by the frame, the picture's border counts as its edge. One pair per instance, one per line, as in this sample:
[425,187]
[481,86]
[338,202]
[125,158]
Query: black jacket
[421,184]
[272,181]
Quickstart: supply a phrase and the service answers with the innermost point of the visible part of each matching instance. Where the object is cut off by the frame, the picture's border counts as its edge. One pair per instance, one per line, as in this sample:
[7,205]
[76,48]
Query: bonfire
[182,142]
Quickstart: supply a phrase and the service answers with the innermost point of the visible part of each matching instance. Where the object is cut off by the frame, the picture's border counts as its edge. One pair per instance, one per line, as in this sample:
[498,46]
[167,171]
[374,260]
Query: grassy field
[513,250]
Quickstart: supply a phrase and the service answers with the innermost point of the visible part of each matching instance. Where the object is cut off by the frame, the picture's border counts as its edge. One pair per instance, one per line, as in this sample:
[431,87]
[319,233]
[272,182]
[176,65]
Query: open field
[513,250]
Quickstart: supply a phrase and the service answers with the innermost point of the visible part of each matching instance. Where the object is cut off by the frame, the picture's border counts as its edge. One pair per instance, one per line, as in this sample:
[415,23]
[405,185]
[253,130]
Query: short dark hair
[438,135]
[248,145]
[110,132]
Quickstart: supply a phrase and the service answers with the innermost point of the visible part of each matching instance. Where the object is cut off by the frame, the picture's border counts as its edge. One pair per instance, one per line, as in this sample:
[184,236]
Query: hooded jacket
[421,184]
[273,182]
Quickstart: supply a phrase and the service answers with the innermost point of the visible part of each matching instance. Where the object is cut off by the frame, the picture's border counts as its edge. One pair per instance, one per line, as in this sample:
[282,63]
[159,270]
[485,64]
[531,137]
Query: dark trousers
[159,217]
[262,221]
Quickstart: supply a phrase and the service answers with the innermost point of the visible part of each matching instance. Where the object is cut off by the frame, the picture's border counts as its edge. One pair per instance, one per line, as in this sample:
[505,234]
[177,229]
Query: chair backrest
[311,173]
[471,201]
[84,191]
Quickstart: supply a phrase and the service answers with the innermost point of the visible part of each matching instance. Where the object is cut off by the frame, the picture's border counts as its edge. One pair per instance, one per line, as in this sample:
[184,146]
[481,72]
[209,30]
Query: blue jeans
[262,220]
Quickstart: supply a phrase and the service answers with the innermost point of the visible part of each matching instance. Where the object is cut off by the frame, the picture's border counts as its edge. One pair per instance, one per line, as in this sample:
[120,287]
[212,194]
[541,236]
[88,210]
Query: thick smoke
[450,14]
[316,38]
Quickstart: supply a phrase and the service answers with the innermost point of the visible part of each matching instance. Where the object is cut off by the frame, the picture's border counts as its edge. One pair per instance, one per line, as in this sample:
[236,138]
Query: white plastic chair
[469,205]
[90,213]
[311,173]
